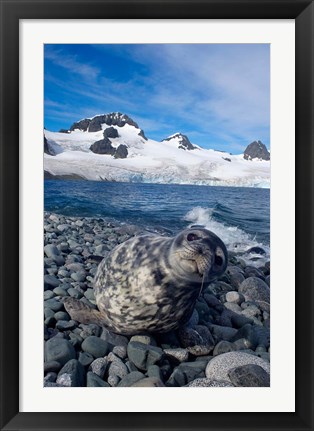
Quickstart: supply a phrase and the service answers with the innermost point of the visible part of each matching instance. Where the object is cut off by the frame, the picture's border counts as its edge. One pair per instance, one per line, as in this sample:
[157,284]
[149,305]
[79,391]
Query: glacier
[149,161]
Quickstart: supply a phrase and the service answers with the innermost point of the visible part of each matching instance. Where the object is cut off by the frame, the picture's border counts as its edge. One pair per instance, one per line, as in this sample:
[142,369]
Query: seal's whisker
[202,285]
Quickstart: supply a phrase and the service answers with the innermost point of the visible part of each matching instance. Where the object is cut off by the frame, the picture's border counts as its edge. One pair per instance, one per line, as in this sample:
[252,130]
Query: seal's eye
[218,260]
[192,237]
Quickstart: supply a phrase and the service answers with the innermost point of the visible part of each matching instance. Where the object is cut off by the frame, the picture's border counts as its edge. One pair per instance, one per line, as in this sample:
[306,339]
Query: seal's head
[198,254]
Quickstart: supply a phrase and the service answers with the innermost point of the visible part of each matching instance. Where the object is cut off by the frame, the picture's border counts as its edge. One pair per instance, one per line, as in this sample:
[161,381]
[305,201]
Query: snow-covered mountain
[112,147]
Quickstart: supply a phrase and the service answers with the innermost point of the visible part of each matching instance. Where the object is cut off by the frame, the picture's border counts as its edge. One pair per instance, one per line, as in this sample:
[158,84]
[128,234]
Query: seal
[150,283]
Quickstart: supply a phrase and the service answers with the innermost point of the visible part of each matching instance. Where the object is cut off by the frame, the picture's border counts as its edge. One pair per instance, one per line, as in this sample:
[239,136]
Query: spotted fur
[150,283]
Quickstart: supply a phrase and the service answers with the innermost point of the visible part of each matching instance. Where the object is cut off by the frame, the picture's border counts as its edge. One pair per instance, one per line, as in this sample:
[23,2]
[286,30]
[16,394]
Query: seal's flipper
[82,312]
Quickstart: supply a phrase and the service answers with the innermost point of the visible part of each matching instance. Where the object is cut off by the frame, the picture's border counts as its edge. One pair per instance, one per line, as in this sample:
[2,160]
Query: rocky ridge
[183,141]
[256,150]
[113,119]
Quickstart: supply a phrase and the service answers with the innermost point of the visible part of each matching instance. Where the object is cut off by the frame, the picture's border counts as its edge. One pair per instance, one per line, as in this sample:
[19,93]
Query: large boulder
[111,132]
[121,152]
[103,147]
[256,150]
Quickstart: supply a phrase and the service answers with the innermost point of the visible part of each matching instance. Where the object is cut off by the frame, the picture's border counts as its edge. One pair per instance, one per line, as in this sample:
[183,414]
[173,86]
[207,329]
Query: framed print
[164,149]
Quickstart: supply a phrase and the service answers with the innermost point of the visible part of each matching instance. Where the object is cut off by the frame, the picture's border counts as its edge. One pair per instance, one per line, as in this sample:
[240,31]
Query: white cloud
[70,62]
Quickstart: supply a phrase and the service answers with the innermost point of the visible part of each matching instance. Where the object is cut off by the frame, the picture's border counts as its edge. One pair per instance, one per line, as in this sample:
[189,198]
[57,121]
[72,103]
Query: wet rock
[92,380]
[113,339]
[145,339]
[52,367]
[197,341]
[148,382]
[143,355]
[72,374]
[154,371]
[249,375]
[223,347]
[256,290]
[51,281]
[95,346]
[179,355]
[85,358]
[131,378]
[60,350]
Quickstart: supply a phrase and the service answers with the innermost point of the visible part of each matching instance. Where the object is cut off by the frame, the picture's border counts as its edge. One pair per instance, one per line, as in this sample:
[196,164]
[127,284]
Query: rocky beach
[226,343]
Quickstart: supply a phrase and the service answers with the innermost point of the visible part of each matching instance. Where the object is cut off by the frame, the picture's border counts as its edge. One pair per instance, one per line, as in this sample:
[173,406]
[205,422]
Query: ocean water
[239,216]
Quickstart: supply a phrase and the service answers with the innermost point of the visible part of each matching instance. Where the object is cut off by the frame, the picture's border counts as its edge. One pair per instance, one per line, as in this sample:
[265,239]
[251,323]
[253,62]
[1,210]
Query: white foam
[235,239]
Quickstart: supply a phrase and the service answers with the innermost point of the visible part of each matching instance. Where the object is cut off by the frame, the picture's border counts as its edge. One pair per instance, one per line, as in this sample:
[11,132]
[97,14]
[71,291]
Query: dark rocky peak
[184,142]
[47,148]
[256,150]
[81,125]
[113,119]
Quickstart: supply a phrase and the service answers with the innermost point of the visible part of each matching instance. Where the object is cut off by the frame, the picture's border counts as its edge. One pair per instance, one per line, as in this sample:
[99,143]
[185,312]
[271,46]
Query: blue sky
[216,94]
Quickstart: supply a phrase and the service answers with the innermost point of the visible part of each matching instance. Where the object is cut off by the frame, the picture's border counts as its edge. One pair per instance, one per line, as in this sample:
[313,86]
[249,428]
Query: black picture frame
[11,12]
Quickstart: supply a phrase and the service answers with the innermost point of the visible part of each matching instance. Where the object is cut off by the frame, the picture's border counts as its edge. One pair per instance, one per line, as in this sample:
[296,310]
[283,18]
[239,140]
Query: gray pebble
[85,358]
[63,227]
[148,382]
[154,371]
[235,297]
[72,374]
[48,294]
[255,289]
[50,377]
[75,339]
[52,366]
[179,354]
[60,350]
[99,366]
[145,339]
[236,279]
[143,355]
[51,281]
[131,378]
[51,250]
[223,347]
[74,293]
[120,351]
[116,367]
[59,291]
[249,375]
[233,307]
[78,276]
[92,380]
[89,330]
[65,325]
[113,380]
[222,332]
[95,346]
[198,340]
[53,304]
[89,294]
[61,315]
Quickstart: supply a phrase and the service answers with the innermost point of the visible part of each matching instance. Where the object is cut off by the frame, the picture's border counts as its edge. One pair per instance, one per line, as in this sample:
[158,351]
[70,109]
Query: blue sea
[239,216]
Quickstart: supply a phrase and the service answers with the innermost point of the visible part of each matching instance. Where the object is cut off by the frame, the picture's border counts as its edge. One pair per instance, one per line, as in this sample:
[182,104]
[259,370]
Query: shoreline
[230,326]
